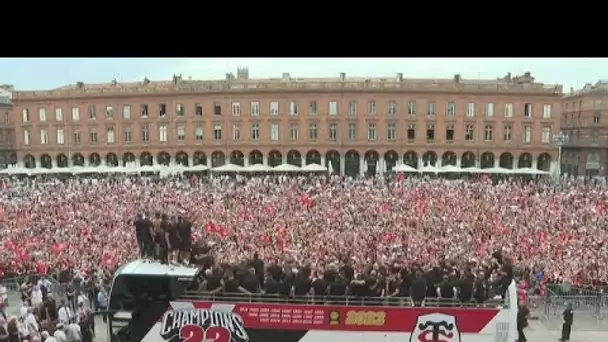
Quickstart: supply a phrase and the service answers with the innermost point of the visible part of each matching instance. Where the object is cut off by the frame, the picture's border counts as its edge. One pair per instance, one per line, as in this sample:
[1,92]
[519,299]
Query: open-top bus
[157,303]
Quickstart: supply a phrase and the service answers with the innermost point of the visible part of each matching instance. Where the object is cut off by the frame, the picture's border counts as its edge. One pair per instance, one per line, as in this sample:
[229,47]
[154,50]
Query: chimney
[80,84]
[242,73]
[229,76]
[342,76]
[399,77]
[571,90]
[286,76]
[527,74]
[114,83]
[457,78]
[508,76]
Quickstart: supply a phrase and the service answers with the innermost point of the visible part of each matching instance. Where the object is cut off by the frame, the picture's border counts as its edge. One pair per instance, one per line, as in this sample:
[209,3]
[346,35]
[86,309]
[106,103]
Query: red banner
[342,318]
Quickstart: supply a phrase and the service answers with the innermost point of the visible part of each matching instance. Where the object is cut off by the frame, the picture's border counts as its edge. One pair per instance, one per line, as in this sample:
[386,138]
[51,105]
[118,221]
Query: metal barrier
[588,305]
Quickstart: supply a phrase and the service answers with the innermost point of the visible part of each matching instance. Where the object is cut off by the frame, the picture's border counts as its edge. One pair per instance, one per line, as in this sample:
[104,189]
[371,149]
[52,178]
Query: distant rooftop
[242,82]
[599,88]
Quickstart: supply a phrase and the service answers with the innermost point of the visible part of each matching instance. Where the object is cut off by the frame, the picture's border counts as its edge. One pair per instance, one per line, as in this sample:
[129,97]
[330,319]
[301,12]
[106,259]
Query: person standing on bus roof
[142,233]
[159,236]
[174,242]
[567,326]
[184,229]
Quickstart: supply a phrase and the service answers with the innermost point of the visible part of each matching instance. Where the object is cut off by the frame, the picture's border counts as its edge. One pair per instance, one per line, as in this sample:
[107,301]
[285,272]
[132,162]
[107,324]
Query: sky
[49,73]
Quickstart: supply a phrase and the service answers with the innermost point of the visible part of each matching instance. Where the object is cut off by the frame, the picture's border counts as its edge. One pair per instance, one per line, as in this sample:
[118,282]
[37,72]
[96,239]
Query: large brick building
[583,121]
[8,154]
[354,124]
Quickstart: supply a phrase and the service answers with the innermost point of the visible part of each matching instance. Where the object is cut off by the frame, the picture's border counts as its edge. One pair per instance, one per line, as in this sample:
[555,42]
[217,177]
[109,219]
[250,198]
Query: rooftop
[153,268]
[242,82]
[599,88]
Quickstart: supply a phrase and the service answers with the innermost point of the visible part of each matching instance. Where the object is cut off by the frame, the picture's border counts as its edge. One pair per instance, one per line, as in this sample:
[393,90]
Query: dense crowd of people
[86,225]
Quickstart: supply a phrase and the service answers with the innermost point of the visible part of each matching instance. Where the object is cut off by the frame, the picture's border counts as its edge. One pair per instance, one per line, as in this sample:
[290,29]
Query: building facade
[586,151]
[8,153]
[351,125]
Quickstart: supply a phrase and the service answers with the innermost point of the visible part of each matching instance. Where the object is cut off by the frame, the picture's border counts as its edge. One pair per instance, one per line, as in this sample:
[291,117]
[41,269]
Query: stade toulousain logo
[435,327]
[202,326]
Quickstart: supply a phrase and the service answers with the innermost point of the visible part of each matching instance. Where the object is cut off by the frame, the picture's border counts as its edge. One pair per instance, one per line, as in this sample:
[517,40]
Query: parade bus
[151,302]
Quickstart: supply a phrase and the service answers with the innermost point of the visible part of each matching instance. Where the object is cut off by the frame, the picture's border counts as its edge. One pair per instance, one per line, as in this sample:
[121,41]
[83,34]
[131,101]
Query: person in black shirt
[184,231]
[480,288]
[506,278]
[567,326]
[393,287]
[301,286]
[445,291]
[522,321]
[319,288]
[258,265]
[418,288]
[250,282]
[271,286]
[139,234]
[465,286]
[337,289]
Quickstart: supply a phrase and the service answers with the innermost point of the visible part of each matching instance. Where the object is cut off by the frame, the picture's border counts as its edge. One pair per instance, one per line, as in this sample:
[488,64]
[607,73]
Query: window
[352,131]
[217,133]
[198,109]
[92,112]
[546,136]
[75,114]
[333,108]
[93,139]
[180,110]
[294,132]
[217,109]
[25,113]
[470,109]
[58,114]
[126,112]
[391,132]
[392,107]
[489,109]
[430,132]
[333,132]
[198,133]
[236,132]
[128,137]
[430,108]
[7,118]
[274,132]
[255,131]
[371,107]
[145,135]
[528,110]
[312,132]
[451,109]
[352,108]
[109,112]
[547,111]
[44,136]
[274,108]
[508,132]
[411,108]
[469,132]
[60,136]
[110,135]
[27,137]
[181,133]
[255,109]
[411,132]
[76,137]
[312,108]
[162,110]
[236,108]
[143,111]
[162,133]
[596,118]
[42,114]
[449,133]
[371,132]
[508,110]
[488,133]
[293,108]
[527,134]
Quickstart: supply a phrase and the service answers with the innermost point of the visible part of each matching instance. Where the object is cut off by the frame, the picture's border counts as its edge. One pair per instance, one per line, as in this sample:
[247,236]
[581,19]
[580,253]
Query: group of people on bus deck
[164,237]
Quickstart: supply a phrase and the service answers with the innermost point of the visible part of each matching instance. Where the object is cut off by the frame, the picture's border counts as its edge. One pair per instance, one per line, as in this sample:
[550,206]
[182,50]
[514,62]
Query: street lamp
[560,139]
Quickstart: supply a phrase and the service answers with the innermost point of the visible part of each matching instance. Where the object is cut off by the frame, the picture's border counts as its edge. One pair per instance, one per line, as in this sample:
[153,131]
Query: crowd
[87,225]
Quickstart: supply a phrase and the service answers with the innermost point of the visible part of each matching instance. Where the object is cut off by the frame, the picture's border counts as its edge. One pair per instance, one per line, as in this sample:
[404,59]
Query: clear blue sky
[46,73]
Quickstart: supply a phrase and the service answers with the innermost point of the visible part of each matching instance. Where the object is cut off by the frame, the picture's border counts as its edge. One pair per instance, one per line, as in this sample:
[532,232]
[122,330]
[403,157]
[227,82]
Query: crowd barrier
[13,284]
[587,304]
